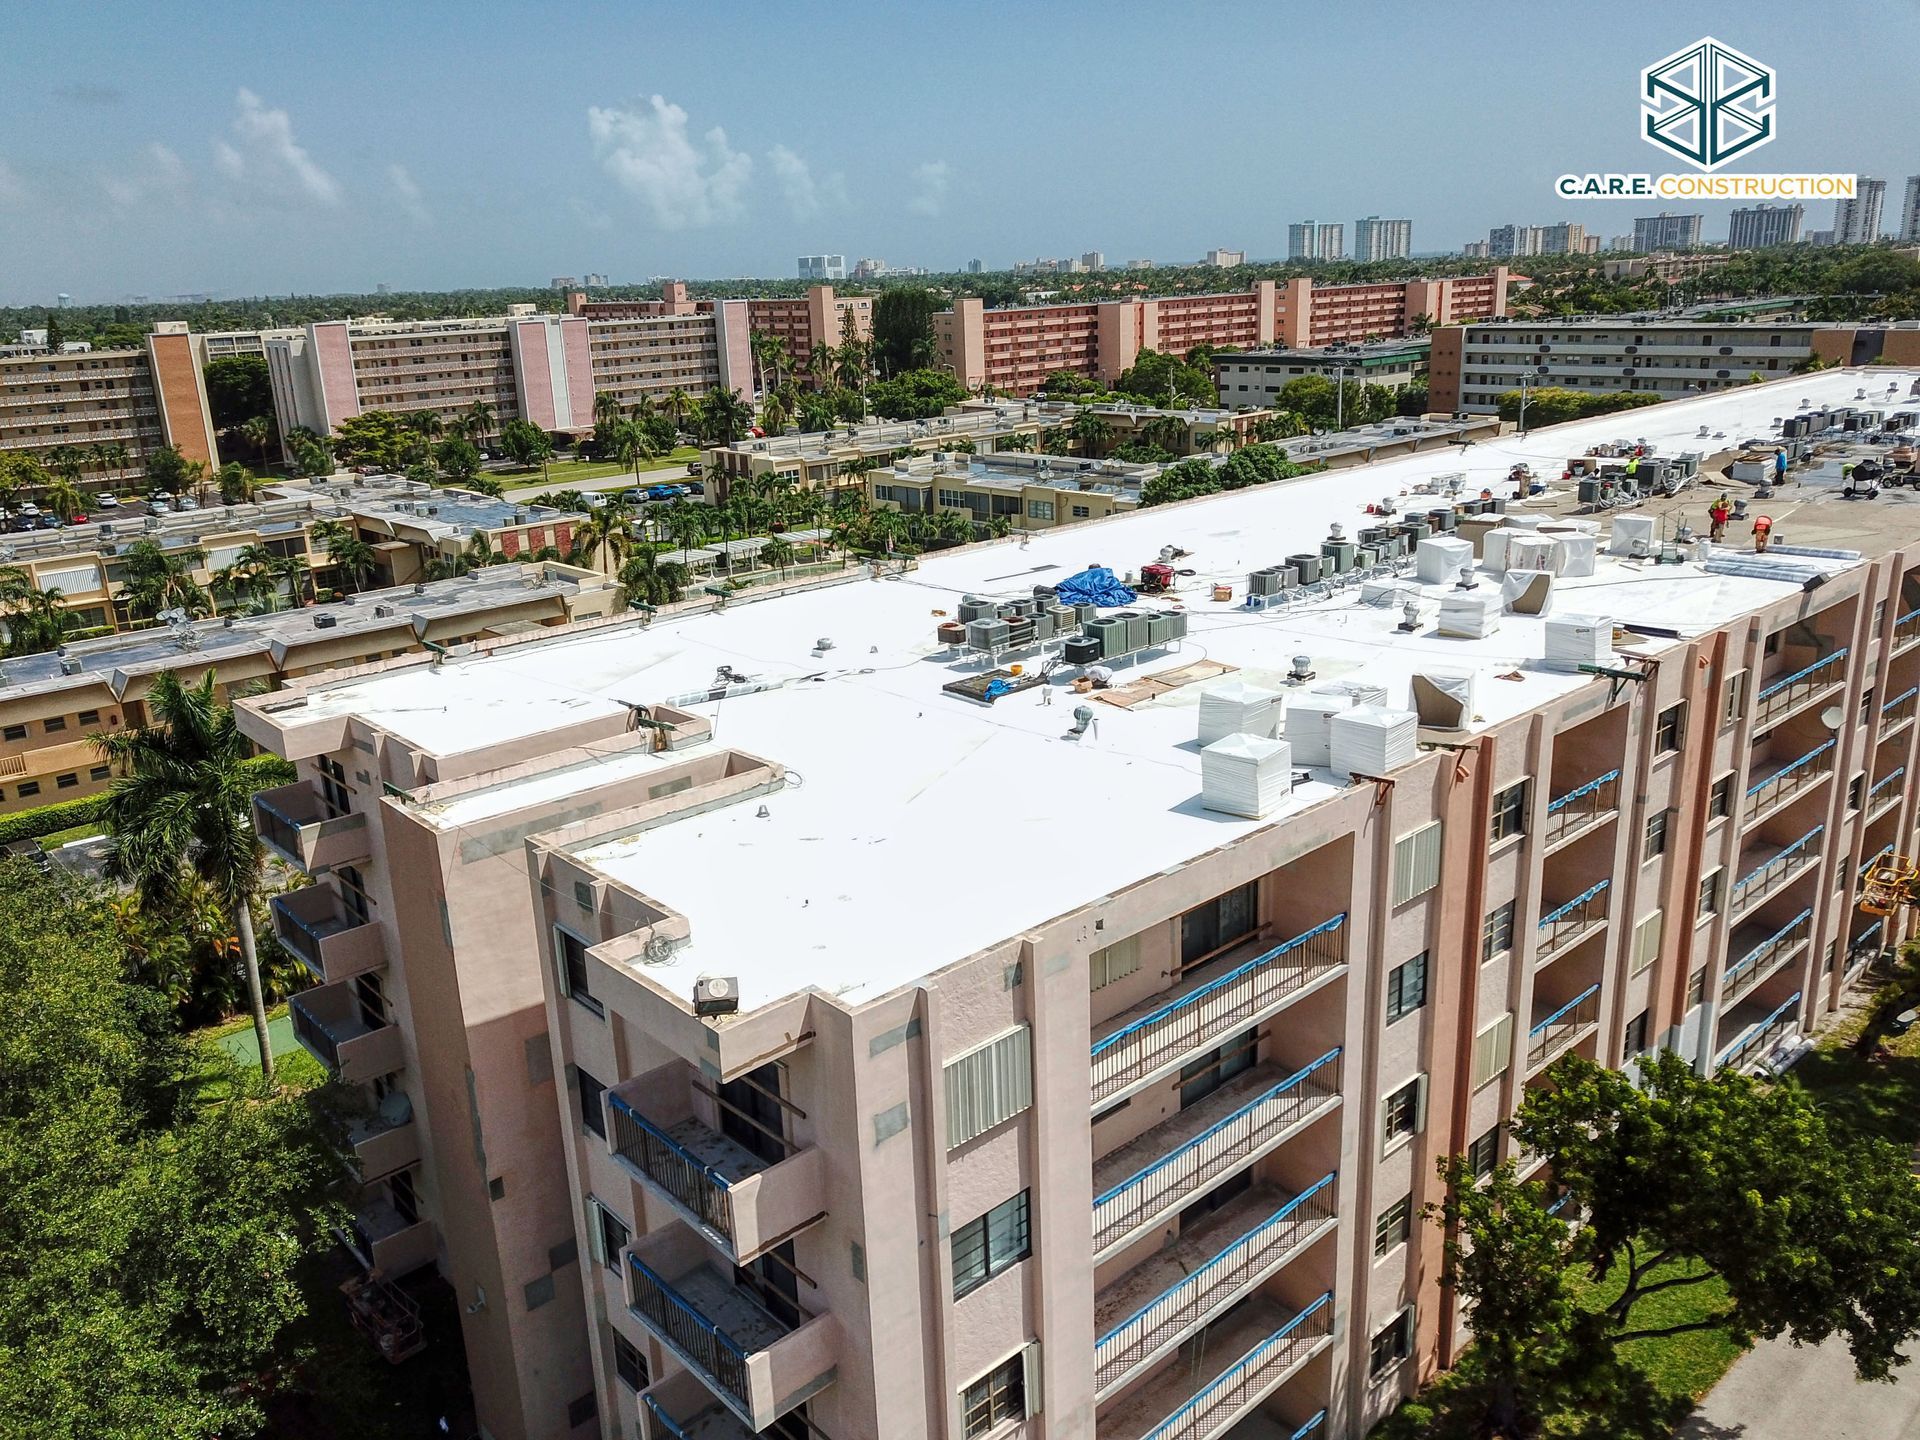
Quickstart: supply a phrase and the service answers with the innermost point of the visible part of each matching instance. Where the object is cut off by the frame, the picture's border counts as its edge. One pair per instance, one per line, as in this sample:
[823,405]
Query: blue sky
[255,148]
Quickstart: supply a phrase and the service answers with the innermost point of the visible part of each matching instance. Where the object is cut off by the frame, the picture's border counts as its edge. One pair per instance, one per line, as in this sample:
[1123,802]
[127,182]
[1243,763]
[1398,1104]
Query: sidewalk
[1777,1392]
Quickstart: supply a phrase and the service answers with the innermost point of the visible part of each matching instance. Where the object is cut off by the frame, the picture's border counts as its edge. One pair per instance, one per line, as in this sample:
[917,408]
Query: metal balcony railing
[662,1421]
[1176,1310]
[670,1165]
[1214,1151]
[1884,792]
[1791,691]
[1758,1038]
[1866,944]
[1770,875]
[1252,1376]
[1580,807]
[1902,708]
[717,1353]
[1789,780]
[1906,630]
[1561,926]
[1558,1030]
[1758,963]
[1220,1007]
[1314,1429]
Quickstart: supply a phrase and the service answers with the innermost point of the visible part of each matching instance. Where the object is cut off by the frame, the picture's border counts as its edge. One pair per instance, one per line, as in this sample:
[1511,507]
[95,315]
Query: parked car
[663,492]
[693,467]
[49,522]
[694,487]
[633,497]
[160,499]
[107,502]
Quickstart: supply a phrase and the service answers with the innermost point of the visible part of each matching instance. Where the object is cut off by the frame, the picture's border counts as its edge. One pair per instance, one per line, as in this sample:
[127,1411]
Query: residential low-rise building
[1256,377]
[1028,492]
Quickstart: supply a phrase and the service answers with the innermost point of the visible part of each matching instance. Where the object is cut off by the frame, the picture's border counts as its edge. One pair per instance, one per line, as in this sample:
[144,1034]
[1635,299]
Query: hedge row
[263,771]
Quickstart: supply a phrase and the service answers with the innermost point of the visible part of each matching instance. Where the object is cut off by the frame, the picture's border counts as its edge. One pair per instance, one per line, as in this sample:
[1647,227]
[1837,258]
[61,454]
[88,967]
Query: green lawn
[1679,1366]
[85,830]
[567,474]
[232,1041]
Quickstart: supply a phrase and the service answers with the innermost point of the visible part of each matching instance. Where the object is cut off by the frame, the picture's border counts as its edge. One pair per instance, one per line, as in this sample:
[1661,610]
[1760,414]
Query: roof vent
[69,665]
[383,610]
[325,622]
[716,995]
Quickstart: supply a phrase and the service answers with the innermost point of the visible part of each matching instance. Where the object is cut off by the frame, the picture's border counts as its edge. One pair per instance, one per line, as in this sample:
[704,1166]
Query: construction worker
[1762,533]
[1779,465]
[1633,465]
[1718,513]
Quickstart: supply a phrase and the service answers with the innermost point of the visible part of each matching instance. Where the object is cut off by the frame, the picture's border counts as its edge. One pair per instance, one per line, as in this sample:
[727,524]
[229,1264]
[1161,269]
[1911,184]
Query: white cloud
[806,197]
[685,183]
[412,204]
[163,177]
[264,154]
[590,215]
[931,180]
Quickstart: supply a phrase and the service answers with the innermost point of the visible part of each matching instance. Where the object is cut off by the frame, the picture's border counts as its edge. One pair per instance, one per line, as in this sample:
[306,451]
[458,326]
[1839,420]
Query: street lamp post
[1340,373]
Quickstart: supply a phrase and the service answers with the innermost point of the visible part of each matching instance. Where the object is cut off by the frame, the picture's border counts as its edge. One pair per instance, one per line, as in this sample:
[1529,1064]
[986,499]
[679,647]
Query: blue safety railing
[1565,923]
[1804,673]
[657,1157]
[1759,880]
[663,1420]
[1906,628]
[1225,1004]
[704,1343]
[1866,943]
[1751,968]
[1229,1391]
[1906,703]
[1580,805]
[1554,806]
[1311,1429]
[1551,1033]
[1883,786]
[1757,1037]
[1790,768]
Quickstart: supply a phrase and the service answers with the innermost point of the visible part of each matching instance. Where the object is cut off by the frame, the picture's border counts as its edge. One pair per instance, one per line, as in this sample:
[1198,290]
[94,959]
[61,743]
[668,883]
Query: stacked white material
[1576,555]
[1534,552]
[1360,692]
[1576,640]
[1524,522]
[1238,709]
[1246,775]
[1372,740]
[1469,614]
[1629,530]
[1309,725]
[1443,699]
[1441,559]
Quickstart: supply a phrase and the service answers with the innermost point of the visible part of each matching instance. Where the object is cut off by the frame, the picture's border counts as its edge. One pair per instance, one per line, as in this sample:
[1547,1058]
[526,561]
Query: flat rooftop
[1410,348]
[899,794]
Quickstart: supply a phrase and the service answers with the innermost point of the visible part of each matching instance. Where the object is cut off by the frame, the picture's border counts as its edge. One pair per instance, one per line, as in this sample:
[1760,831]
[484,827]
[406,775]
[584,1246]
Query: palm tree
[725,415]
[606,536]
[257,432]
[778,553]
[65,498]
[356,558]
[774,414]
[1091,431]
[182,810]
[69,462]
[480,421]
[1223,438]
[631,445]
[955,526]
[155,579]
[100,456]
[236,483]
[424,423]
[37,619]
[678,405]
[684,524]
[606,408]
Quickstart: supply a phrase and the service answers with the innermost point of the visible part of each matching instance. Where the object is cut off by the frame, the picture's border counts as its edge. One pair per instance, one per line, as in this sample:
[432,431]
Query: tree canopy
[915,395]
[903,328]
[238,389]
[1159,379]
[1552,404]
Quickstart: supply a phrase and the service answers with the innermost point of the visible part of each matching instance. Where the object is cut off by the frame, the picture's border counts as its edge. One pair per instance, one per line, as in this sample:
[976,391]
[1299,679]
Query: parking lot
[28,517]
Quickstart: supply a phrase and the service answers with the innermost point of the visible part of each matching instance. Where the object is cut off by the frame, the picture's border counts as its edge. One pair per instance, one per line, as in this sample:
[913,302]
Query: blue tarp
[1093,587]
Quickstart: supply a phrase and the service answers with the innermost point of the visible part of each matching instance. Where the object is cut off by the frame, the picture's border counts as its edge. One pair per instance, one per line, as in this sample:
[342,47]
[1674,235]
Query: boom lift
[1889,882]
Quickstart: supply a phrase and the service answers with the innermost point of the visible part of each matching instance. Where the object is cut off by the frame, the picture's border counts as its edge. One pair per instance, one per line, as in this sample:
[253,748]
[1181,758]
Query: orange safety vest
[1763,525]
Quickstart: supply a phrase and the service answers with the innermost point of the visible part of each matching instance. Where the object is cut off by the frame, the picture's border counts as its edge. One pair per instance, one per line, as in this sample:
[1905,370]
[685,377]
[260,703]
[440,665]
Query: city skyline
[270,180]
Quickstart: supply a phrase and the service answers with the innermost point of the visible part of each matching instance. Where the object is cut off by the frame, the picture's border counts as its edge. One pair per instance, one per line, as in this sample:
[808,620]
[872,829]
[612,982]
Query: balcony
[1754,1041]
[1186,1154]
[1566,925]
[1763,954]
[1796,691]
[1906,630]
[1885,793]
[333,1027]
[1248,1355]
[1899,711]
[758,1364]
[682,1408]
[1783,782]
[1771,867]
[1192,1281]
[1577,811]
[386,1140]
[293,822]
[1864,946]
[312,924]
[1147,1042]
[1563,1028]
[742,1203]
[388,1242]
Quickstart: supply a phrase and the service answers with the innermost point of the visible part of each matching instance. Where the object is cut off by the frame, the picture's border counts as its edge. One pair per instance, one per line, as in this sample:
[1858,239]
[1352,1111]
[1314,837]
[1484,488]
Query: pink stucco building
[791,1045]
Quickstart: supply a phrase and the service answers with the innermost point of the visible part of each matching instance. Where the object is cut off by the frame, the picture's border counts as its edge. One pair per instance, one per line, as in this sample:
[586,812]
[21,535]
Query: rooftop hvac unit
[1238,709]
[1111,632]
[1307,725]
[325,622]
[1082,650]
[1246,775]
[1358,692]
[1493,550]
[1065,617]
[1442,559]
[1160,627]
[1339,555]
[1441,520]
[1136,629]
[1307,567]
[1264,582]
[1526,592]
[1443,699]
[1533,552]
[987,634]
[69,665]
[1374,534]
[1576,640]
[1528,523]
[1469,614]
[383,611]
[1042,626]
[1372,740]
[974,608]
[1576,555]
[1632,534]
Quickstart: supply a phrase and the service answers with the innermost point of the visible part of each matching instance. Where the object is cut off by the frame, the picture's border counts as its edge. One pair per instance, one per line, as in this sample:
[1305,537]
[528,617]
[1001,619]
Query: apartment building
[51,704]
[982,1158]
[1666,232]
[1224,259]
[1029,492]
[1857,221]
[1908,232]
[1303,240]
[114,406]
[1014,349]
[1757,227]
[1564,238]
[1471,366]
[1256,377]
[823,267]
[1377,239]
[804,323]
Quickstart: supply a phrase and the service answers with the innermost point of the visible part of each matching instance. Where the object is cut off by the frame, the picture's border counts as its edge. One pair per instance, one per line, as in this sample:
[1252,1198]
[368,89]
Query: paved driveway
[1779,1393]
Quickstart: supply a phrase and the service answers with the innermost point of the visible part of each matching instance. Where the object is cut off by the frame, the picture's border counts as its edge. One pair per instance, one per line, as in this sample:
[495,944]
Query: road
[1775,1392]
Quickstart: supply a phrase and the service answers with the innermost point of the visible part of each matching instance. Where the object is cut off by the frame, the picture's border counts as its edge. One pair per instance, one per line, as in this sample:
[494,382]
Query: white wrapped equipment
[1526,592]
[1246,775]
[1238,709]
[1372,740]
[1576,555]
[1493,549]
[1441,559]
[1534,552]
[1524,522]
[1469,614]
[1443,699]
[1309,727]
[1360,692]
[1576,640]
[1629,530]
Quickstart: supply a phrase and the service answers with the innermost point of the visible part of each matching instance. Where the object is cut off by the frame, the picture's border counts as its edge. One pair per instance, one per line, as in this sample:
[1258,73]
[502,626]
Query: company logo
[1708,103]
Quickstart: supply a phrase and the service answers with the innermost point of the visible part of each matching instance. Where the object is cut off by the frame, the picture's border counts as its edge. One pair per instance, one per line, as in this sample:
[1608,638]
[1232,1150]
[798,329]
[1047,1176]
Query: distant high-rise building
[1225,259]
[867,268]
[1093,260]
[1909,231]
[1758,227]
[823,267]
[1333,242]
[1666,232]
[383,289]
[563,282]
[1568,237]
[1303,241]
[1377,239]
[62,300]
[974,267]
[1621,242]
[1820,237]
[593,277]
[1857,221]
[1140,265]
[1475,250]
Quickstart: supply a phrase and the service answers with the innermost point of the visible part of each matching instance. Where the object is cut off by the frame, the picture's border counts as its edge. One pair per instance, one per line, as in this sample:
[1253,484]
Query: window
[1116,962]
[995,1398]
[89,717]
[592,1115]
[100,772]
[996,1241]
[571,953]
[1656,840]
[1081,512]
[1484,1154]
[1492,1051]
[607,1233]
[1391,1345]
[1879,615]
[1496,938]
[628,1363]
[1510,811]
[28,788]
[13,732]
[1636,1038]
[1407,987]
[1856,791]
[1720,798]
[987,1085]
[55,724]
[1394,1227]
[1708,902]
[1219,923]
[66,781]
[1646,943]
[1403,1112]
[1670,731]
[1866,705]
[1040,509]
[1416,863]
[1200,1078]
[1696,987]
[1732,698]
[580,1411]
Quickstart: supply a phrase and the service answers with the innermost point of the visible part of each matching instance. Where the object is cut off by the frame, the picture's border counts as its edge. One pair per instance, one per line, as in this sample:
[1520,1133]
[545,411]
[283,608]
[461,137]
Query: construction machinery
[1888,882]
